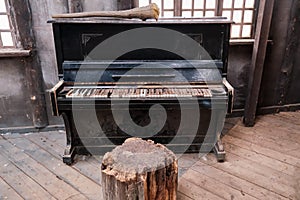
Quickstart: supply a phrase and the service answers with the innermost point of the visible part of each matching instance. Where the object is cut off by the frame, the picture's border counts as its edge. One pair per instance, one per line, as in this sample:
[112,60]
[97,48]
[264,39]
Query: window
[242,12]
[6,30]
[167,7]
[199,8]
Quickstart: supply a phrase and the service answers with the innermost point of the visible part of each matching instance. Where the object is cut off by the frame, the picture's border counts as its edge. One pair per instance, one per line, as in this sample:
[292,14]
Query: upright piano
[162,80]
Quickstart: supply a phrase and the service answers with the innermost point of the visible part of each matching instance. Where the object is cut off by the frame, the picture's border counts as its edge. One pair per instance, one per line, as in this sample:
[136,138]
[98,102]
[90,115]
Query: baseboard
[267,110]
[27,129]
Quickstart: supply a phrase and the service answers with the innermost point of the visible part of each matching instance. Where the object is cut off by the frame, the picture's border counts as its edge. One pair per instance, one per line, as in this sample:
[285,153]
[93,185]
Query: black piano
[162,80]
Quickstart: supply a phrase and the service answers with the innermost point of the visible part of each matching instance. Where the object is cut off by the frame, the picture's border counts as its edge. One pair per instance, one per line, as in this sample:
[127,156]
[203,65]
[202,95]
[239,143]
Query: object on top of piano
[146,12]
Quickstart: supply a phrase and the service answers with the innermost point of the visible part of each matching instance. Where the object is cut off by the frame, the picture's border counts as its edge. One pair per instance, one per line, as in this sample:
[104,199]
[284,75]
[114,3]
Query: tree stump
[139,169]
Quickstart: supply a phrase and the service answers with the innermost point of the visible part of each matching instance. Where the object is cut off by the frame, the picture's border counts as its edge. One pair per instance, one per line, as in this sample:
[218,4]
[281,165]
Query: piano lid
[163,20]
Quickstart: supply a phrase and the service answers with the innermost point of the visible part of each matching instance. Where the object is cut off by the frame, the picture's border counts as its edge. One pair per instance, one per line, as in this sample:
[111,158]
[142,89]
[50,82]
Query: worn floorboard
[214,186]
[262,162]
[238,183]
[24,185]
[259,158]
[83,166]
[38,173]
[6,191]
[194,191]
[264,151]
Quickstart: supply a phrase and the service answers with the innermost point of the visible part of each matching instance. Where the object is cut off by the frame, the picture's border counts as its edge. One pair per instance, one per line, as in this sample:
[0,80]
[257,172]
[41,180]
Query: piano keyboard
[137,92]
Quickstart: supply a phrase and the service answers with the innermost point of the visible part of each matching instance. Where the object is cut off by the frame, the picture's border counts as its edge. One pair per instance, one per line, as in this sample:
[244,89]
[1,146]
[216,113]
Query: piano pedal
[68,157]
[219,151]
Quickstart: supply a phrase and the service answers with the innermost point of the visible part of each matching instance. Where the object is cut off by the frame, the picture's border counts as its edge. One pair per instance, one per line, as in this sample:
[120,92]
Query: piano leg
[69,153]
[219,151]
[68,157]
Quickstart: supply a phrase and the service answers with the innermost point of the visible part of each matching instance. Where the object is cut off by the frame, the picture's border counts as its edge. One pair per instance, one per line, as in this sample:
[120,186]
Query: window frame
[243,9]
[11,28]
[218,12]
[17,49]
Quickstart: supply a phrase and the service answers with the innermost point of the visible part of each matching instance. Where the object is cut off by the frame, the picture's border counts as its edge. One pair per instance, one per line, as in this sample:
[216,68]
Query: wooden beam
[219,7]
[135,3]
[21,14]
[177,8]
[75,6]
[13,52]
[126,4]
[258,58]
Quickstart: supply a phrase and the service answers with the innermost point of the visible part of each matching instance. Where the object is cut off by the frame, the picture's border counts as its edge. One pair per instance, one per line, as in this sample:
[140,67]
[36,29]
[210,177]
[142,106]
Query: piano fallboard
[143,70]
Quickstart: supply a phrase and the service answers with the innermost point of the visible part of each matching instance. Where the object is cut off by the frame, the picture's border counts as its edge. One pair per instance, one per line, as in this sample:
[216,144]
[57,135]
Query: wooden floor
[262,162]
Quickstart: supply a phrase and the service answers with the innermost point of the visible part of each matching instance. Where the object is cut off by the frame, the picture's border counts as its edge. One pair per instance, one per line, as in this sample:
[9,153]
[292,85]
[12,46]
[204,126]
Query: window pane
[210,4]
[209,13]
[198,4]
[237,16]
[235,31]
[246,31]
[248,16]
[158,2]
[168,14]
[4,24]
[198,13]
[249,4]
[143,3]
[2,6]
[168,4]
[227,4]
[186,4]
[7,39]
[186,13]
[227,14]
[238,3]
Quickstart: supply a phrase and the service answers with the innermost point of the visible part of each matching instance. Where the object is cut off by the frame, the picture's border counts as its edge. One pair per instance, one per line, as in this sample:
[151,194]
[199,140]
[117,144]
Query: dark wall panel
[277,69]
[238,68]
[293,90]
[15,105]
[293,94]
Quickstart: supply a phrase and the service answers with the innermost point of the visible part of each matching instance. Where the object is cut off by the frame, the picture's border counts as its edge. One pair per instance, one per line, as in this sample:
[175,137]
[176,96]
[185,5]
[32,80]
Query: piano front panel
[88,36]
[104,131]
[213,37]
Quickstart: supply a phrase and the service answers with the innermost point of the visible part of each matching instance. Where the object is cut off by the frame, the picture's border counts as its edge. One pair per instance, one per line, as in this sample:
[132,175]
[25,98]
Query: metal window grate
[7,39]
[242,12]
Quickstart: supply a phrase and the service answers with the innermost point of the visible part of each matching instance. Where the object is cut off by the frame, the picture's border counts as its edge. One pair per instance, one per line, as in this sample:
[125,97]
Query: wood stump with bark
[139,169]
